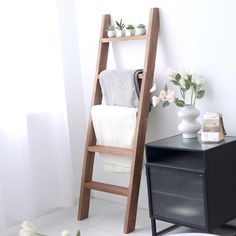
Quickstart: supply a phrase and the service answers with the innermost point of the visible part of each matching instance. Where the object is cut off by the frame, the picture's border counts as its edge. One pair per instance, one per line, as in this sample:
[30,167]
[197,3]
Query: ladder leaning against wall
[136,153]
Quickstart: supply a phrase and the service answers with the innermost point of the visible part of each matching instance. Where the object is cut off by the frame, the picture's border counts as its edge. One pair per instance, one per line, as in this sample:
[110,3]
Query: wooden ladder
[136,153]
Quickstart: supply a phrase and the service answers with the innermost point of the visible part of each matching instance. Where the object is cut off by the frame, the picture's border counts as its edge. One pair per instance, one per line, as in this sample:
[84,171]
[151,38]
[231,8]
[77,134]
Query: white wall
[196,34]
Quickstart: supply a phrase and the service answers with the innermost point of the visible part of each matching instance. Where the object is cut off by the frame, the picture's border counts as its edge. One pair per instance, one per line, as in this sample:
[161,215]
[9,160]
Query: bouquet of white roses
[190,87]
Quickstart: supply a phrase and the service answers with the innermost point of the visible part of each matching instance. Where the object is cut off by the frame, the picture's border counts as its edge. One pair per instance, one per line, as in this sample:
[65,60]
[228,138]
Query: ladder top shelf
[125,38]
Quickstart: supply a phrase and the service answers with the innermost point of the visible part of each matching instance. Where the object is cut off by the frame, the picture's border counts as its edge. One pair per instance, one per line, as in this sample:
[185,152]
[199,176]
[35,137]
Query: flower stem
[195,97]
[183,95]
[192,98]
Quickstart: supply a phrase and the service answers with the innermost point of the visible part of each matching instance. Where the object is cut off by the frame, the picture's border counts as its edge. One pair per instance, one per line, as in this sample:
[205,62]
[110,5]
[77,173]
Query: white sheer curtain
[35,161]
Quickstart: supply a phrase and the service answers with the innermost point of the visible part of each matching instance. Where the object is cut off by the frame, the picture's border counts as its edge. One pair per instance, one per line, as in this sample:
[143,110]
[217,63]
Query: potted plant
[191,88]
[120,26]
[111,30]
[130,30]
[140,29]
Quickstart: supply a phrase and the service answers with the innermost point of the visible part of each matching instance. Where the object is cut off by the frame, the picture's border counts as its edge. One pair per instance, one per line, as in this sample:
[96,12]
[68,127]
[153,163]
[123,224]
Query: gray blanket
[118,88]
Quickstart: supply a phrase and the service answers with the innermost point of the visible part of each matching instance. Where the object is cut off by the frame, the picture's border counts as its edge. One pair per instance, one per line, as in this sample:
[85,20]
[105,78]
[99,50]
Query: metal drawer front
[181,209]
[174,181]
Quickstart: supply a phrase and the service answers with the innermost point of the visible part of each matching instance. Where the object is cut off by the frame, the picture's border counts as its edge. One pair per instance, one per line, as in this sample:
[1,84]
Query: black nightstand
[191,183]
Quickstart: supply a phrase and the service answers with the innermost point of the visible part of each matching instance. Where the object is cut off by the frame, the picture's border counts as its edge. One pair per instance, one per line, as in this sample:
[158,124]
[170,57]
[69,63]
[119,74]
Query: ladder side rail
[88,163]
[140,133]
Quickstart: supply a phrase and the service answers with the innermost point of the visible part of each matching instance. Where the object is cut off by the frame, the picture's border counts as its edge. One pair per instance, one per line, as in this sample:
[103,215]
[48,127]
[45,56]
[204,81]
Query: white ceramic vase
[189,126]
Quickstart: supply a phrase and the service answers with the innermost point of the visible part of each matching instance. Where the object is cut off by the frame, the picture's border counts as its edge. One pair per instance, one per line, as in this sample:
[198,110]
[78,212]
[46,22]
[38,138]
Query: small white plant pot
[130,32]
[140,31]
[120,33]
[111,34]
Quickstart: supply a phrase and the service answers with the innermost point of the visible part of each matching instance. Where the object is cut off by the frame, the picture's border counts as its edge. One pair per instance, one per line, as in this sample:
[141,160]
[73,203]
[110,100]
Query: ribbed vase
[189,126]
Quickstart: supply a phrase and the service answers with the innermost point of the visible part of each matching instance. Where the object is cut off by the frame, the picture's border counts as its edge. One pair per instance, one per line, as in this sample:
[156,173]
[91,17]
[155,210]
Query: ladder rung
[108,188]
[111,150]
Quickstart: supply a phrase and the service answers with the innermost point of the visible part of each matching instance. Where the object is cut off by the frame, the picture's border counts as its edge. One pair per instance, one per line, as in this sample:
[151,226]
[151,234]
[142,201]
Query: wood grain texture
[109,188]
[111,150]
[87,171]
[125,38]
[140,134]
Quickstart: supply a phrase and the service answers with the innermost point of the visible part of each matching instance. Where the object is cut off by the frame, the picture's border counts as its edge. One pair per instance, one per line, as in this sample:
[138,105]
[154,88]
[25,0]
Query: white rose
[171,96]
[153,88]
[155,100]
[170,73]
[162,95]
[184,77]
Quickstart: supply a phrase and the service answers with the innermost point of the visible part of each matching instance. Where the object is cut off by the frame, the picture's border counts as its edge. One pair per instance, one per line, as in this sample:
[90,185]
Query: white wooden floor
[106,219]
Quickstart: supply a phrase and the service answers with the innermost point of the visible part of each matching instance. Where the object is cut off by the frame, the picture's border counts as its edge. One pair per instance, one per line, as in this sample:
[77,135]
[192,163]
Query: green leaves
[179,103]
[177,77]
[175,82]
[194,85]
[78,233]
[187,84]
[120,25]
[200,94]
[190,78]
[111,27]
[165,104]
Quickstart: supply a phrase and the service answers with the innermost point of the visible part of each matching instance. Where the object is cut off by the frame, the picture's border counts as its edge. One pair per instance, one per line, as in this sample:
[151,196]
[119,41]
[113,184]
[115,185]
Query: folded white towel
[114,126]
[118,87]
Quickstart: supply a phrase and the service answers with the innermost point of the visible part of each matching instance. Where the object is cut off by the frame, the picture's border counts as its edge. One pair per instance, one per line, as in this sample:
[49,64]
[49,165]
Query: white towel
[118,87]
[114,126]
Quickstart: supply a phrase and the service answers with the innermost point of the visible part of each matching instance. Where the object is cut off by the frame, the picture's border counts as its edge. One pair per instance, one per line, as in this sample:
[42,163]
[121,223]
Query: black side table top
[194,144]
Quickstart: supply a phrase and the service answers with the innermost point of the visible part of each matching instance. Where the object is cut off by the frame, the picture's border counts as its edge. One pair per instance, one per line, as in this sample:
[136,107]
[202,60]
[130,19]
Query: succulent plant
[140,26]
[120,25]
[129,27]
[111,27]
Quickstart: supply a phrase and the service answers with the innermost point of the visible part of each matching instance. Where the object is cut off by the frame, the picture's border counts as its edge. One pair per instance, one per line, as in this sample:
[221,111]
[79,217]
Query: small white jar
[140,31]
[130,32]
[120,33]
[111,33]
